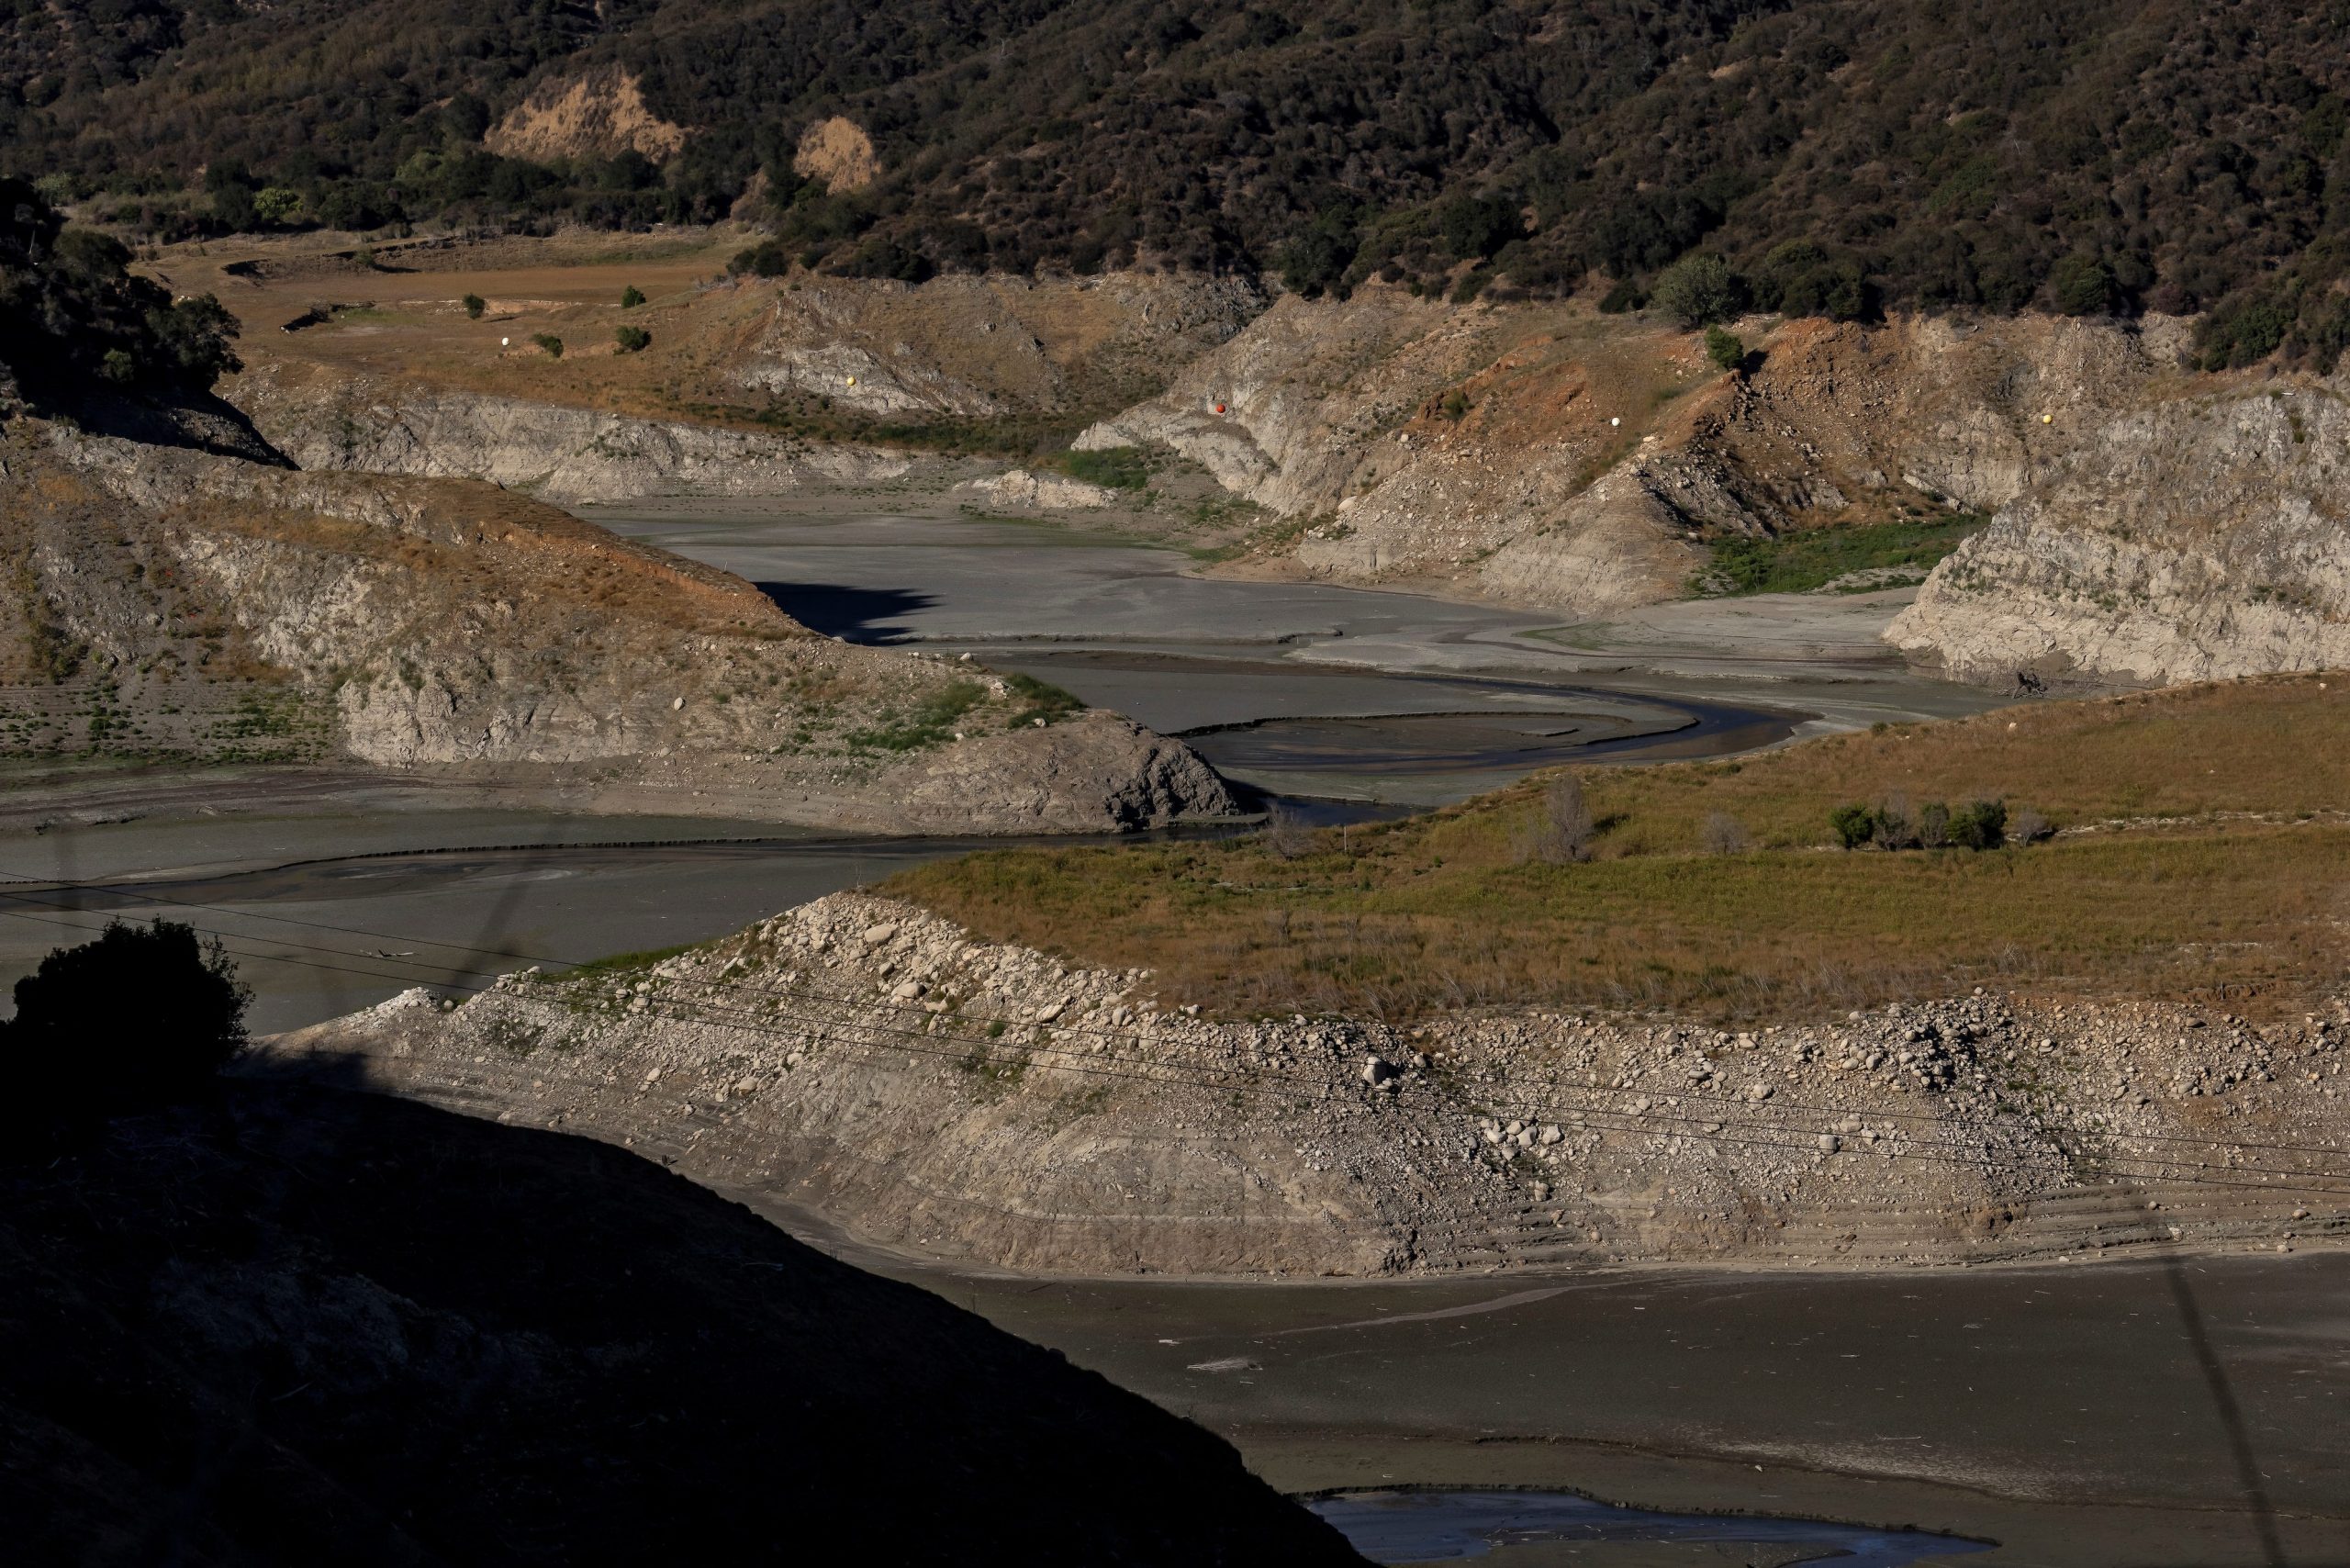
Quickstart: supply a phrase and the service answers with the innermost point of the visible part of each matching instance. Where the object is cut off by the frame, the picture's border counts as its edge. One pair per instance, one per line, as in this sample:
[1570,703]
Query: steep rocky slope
[2155,523]
[560,454]
[989,1102]
[2195,538]
[178,603]
[792,383]
[300,1327]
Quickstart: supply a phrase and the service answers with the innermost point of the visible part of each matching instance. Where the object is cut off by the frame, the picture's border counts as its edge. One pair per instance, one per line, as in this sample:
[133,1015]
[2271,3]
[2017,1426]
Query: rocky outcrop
[565,454]
[1528,454]
[453,630]
[869,1060]
[979,346]
[2195,538]
[1046,492]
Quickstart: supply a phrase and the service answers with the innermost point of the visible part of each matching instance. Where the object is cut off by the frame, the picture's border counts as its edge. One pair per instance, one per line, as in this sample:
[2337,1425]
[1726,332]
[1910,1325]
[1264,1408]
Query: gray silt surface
[2181,1410]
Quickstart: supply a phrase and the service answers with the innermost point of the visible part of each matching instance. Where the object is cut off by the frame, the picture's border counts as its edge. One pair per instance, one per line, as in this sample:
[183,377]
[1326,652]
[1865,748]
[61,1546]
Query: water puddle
[1442,1526]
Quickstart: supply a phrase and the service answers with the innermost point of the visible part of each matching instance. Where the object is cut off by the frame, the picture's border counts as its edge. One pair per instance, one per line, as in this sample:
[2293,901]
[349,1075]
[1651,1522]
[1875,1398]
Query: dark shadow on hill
[203,420]
[292,1324]
[852,614]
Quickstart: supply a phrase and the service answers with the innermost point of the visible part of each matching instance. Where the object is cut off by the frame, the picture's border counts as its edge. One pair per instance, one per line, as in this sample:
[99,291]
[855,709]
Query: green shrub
[631,340]
[1855,825]
[1979,824]
[549,343]
[632,297]
[1455,405]
[1044,700]
[1697,290]
[475,305]
[1119,467]
[1726,349]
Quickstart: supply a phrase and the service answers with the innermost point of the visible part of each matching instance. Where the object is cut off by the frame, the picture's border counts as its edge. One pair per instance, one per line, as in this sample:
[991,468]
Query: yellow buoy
[2047,418]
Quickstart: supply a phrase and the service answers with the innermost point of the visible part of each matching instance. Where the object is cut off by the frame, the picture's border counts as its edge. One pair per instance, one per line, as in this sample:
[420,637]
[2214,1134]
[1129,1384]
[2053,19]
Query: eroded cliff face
[977,346]
[863,1057]
[568,456]
[2152,524]
[841,355]
[196,605]
[2198,537]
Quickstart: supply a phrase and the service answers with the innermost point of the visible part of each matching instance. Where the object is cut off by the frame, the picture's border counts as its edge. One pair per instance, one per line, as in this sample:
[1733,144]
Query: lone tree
[142,1017]
[1697,291]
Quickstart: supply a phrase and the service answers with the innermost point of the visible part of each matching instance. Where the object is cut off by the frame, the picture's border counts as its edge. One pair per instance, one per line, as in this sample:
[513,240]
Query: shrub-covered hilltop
[2089,155]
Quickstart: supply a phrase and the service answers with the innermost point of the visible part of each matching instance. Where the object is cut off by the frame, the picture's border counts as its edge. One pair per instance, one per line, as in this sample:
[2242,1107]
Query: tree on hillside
[1697,290]
[70,307]
[142,1017]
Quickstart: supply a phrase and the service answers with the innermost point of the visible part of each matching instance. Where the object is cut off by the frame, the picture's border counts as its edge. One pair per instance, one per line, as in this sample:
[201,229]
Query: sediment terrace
[988,1103]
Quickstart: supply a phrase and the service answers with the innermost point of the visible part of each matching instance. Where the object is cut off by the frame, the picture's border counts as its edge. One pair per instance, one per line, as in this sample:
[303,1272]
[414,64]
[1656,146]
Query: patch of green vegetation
[1277,537]
[1115,468]
[814,417]
[513,1037]
[1811,559]
[618,964]
[1044,700]
[930,723]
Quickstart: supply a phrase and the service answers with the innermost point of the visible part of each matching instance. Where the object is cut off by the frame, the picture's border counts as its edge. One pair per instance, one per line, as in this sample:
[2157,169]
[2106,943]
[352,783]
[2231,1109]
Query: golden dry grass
[1447,910]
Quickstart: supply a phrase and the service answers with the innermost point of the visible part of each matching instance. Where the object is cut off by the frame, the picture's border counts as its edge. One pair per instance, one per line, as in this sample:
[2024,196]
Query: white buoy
[1613,423]
[504,342]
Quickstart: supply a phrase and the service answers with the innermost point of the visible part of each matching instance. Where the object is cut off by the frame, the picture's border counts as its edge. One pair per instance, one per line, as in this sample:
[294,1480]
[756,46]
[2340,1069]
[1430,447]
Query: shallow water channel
[1446,1526]
[1343,700]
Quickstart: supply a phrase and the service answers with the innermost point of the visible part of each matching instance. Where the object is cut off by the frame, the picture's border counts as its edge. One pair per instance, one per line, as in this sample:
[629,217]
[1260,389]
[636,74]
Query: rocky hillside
[752,386]
[177,603]
[563,454]
[2198,537]
[2155,523]
[989,1103]
[299,1326]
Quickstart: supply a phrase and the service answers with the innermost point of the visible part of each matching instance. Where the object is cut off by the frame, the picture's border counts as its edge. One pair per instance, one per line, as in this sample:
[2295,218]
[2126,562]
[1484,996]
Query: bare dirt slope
[191,606]
[989,1103]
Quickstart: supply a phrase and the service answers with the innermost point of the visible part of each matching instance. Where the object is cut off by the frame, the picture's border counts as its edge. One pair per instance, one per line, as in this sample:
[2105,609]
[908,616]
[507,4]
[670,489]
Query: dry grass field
[2206,855]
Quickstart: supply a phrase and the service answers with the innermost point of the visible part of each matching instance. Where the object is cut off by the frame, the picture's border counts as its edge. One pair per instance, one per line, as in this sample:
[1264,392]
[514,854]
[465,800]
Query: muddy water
[1299,689]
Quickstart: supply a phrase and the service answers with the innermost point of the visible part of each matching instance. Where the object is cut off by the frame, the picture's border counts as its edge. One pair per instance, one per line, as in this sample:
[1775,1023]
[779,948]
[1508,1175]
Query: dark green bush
[475,305]
[1697,290]
[632,297]
[1855,825]
[548,344]
[631,340]
[143,1016]
[1979,824]
[1726,349]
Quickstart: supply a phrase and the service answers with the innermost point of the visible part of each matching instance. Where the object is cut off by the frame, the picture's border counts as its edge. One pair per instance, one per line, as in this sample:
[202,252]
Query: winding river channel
[2169,1411]
[1347,702]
